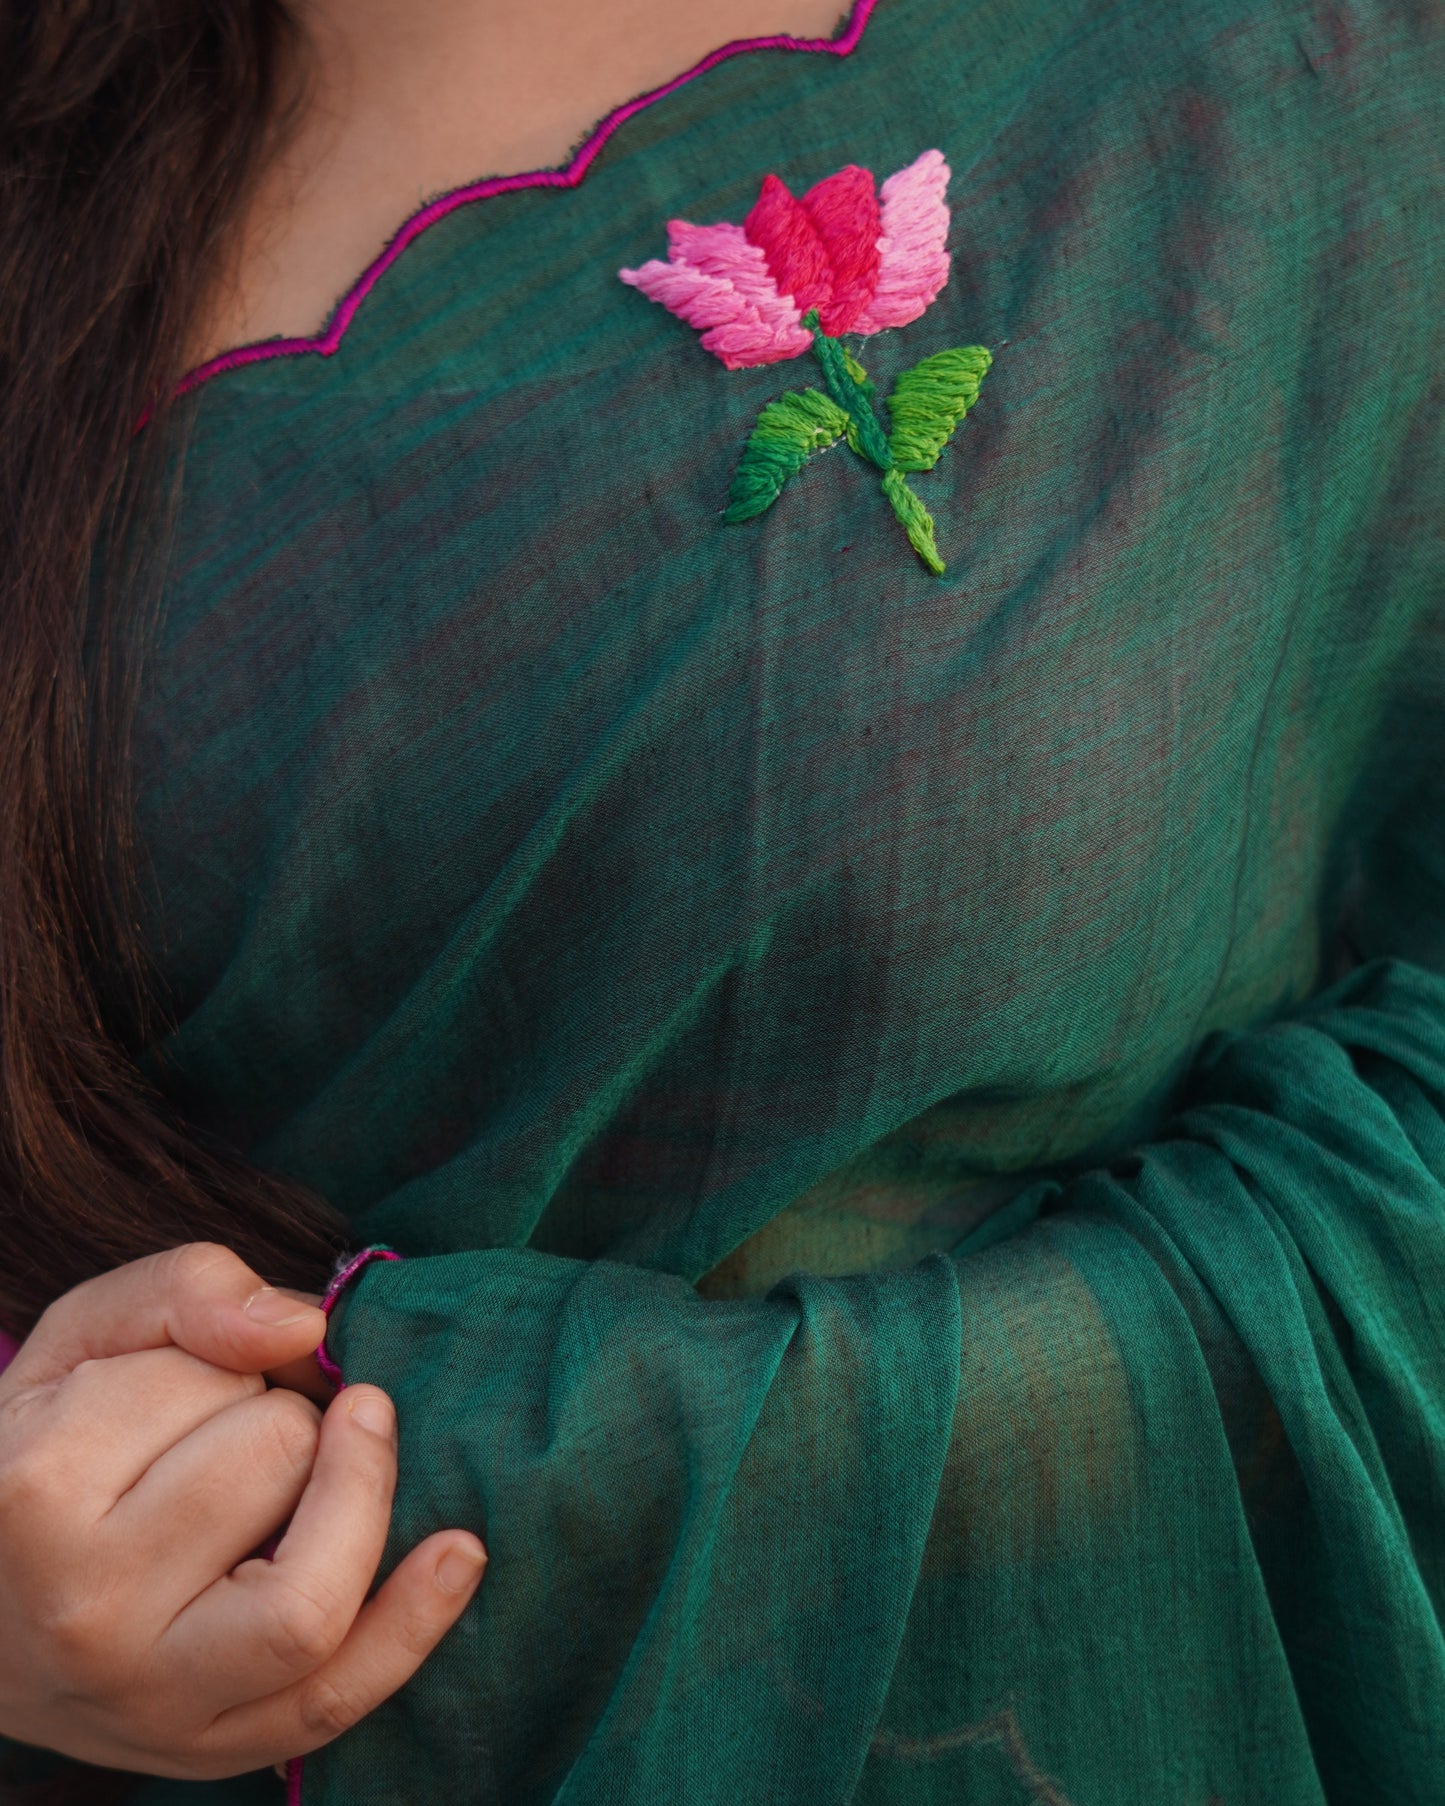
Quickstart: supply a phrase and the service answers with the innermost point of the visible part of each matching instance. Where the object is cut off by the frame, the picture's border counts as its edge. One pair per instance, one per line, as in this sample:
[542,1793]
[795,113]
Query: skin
[143,1459]
[399,100]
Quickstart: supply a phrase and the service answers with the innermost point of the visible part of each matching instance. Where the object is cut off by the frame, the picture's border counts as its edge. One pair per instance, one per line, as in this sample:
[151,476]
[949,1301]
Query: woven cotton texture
[913,1106]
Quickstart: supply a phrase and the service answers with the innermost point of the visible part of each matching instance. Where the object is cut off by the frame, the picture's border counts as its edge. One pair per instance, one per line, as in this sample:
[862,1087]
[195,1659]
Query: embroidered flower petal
[724,250]
[743,343]
[692,295]
[912,263]
[714,285]
[772,329]
[844,210]
[781,226]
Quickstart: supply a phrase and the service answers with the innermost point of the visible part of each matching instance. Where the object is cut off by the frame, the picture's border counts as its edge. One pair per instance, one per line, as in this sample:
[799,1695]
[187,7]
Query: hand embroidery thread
[794,277]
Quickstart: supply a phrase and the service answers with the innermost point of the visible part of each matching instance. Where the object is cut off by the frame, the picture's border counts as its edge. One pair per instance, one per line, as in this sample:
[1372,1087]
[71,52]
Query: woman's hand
[142,1460]
[304,1375]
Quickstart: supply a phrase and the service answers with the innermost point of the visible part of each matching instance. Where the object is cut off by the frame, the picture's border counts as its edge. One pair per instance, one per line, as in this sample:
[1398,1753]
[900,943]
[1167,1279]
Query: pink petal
[726,292]
[744,343]
[780,224]
[724,251]
[692,295]
[912,263]
[844,211]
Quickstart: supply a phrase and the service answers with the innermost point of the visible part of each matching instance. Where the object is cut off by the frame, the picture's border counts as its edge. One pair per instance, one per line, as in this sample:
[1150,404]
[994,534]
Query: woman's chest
[528,832]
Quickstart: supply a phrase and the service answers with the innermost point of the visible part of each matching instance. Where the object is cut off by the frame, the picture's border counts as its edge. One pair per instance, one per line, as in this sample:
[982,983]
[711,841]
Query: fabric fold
[806,1537]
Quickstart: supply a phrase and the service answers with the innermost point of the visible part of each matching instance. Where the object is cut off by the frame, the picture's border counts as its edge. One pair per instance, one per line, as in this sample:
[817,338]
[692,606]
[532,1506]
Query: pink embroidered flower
[794,277]
[861,260]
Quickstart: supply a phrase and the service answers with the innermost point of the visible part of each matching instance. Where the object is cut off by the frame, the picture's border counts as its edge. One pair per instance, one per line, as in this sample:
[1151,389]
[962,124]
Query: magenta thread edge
[339,1281]
[328,341]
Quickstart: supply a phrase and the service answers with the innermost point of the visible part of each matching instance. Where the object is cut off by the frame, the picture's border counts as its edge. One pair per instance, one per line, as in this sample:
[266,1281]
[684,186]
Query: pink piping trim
[339,1282]
[329,341]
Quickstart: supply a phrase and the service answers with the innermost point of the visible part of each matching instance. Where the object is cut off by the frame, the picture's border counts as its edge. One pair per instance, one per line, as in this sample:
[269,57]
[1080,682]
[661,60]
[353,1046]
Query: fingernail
[276,1310]
[460,1568]
[372,1410]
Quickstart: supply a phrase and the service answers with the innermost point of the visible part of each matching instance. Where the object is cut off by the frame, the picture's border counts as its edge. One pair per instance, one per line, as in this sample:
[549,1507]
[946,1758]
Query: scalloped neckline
[329,340]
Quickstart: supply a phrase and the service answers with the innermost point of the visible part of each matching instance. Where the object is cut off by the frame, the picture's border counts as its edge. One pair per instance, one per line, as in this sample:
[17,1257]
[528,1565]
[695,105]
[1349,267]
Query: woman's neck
[406,98]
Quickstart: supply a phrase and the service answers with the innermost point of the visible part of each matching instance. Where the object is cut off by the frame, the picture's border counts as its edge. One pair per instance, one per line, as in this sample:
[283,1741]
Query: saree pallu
[913,1104]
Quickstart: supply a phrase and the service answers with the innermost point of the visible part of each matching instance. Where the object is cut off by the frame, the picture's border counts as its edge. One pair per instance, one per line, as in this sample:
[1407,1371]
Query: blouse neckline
[328,341]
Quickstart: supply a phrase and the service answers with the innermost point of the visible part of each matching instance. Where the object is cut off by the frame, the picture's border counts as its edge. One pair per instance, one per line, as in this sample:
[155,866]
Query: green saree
[913,1106]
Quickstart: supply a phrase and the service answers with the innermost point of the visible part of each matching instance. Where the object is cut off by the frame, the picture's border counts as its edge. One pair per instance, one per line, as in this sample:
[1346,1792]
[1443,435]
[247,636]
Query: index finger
[200,1297]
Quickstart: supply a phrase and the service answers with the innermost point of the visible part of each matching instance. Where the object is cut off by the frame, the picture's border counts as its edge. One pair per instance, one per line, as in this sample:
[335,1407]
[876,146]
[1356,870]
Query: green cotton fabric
[914,1106]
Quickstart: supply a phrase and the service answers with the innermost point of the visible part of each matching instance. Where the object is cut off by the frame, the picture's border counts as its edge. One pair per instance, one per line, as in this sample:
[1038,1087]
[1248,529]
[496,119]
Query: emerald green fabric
[914,1107]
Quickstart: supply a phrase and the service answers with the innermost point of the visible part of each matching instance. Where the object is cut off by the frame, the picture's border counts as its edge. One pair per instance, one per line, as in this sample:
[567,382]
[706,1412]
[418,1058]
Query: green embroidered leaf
[857,372]
[916,520]
[929,400]
[788,432]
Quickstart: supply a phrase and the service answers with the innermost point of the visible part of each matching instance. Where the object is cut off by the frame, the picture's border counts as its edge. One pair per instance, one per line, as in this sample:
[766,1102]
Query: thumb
[200,1297]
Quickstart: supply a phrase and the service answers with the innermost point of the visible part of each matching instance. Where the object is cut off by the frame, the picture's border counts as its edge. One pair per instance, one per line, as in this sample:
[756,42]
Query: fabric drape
[913,1106]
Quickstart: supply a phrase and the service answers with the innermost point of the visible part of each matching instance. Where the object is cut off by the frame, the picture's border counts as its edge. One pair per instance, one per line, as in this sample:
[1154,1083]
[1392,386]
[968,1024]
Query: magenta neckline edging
[328,341]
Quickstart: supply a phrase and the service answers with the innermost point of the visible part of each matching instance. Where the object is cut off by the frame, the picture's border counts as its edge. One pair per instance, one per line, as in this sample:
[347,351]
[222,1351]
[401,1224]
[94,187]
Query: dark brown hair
[130,134]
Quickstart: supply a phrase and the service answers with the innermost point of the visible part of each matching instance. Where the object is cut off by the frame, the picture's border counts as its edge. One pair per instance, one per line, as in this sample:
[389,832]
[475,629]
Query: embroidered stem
[850,395]
[851,389]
